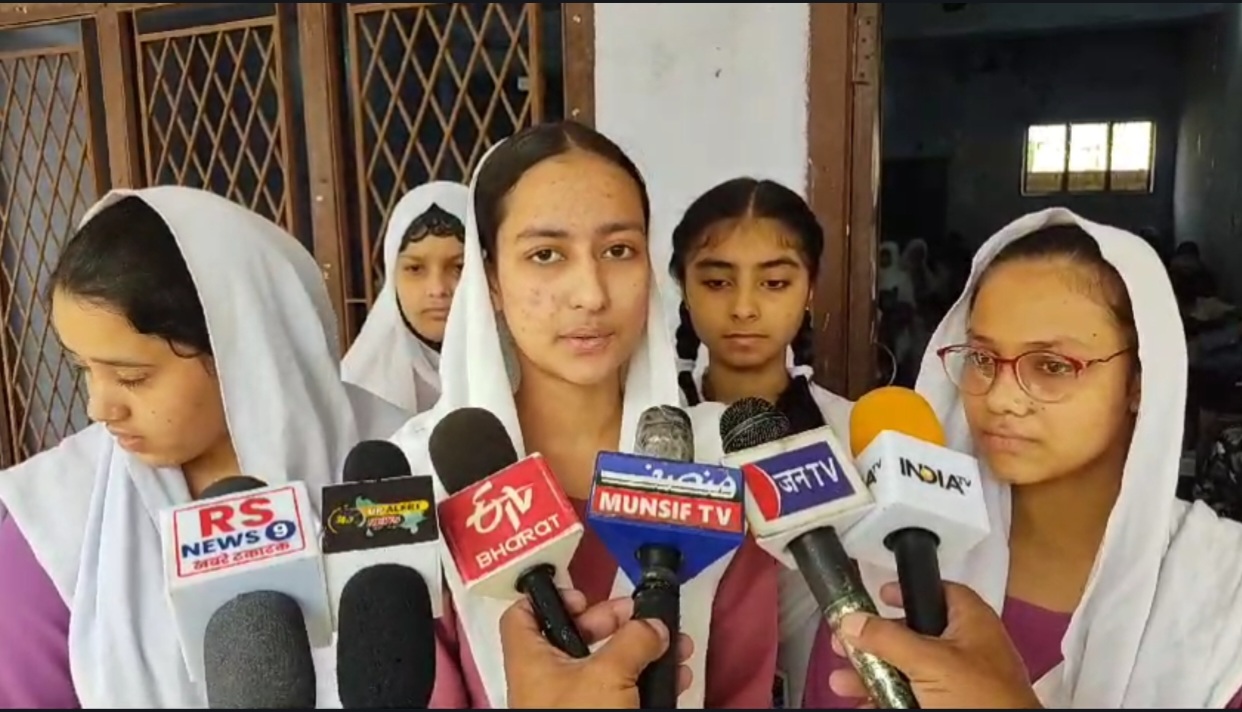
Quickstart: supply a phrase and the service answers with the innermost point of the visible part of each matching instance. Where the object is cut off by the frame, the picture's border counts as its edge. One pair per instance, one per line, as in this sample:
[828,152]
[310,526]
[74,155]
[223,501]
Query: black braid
[688,350]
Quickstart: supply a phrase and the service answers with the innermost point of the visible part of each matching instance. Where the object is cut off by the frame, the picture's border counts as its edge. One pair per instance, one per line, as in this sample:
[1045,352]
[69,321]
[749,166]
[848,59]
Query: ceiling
[927,20]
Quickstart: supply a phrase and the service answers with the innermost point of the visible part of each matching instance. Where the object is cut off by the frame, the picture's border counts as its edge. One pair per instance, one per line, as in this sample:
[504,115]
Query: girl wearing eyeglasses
[1063,369]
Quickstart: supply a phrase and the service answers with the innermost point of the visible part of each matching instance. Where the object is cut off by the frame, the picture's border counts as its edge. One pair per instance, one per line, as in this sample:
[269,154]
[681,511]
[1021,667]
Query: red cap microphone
[508,525]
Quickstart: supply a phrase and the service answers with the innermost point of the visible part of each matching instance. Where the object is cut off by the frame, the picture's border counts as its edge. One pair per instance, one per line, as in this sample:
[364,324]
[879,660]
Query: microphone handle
[918,573]
[658,595]
[838,589]
[558,626]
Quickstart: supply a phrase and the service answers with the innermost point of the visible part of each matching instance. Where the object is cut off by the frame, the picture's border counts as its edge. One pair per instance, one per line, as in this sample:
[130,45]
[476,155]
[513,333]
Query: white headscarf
[1160,621]
[386,359]
[89,509]
[476,371]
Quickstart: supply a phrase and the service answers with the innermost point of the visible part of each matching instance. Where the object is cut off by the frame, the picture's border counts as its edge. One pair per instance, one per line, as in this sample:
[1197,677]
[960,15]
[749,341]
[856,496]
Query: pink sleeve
[34,631]
[817,694]
[450,691]
[741,656]
[1236,702]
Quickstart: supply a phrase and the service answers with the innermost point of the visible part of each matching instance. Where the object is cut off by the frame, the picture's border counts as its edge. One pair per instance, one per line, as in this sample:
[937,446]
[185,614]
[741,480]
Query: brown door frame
[842,150]
[578,31]
[843,122]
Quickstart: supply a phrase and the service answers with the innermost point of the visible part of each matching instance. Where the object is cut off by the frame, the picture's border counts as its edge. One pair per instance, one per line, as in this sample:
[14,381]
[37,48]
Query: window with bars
[1099,157]
[431,86]
[216,102]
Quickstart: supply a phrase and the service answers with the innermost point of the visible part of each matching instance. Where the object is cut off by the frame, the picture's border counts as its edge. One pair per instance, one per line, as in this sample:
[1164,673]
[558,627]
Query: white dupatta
[1160,621]
[88,509]
[386,359]
[476,371]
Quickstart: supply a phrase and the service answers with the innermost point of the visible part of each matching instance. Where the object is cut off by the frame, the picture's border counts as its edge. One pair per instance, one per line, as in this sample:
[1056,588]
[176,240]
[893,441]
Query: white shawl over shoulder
[386,359]
[1160,622]
[475,371]
[88,509]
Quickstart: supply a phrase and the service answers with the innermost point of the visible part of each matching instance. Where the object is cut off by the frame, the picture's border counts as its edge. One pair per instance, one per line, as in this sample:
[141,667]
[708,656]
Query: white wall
[701,93]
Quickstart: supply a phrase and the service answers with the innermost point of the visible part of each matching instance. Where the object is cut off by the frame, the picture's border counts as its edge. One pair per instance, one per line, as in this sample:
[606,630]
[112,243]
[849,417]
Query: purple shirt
[34,631]
[1036,633]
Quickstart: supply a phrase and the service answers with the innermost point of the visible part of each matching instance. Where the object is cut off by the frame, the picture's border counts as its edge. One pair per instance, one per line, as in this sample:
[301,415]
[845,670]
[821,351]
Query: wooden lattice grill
[214,113]
[46,184]
[433,85]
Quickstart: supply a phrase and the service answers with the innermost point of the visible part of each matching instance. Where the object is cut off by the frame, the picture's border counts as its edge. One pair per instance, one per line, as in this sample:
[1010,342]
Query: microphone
[386,649]
[372,460]
[801,490]
[242,537]
[257,654]
[231,485]
[508,525]
[665,519]
[381,514]
[929,502]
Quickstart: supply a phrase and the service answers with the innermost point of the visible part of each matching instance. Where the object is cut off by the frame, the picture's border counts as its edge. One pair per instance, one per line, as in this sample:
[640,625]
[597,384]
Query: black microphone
[665,519]
[470,447]
[386,648]
[231,485]
[244,536]
[257,655]
[801,488]
[663,432]
[380,514]
[375,460]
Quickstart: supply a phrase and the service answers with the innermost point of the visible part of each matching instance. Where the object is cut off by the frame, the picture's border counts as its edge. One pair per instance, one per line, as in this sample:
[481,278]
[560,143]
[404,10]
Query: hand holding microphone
[665,519]
[801,490]
[973,665]
[508,525]
[540,676]
[929,499]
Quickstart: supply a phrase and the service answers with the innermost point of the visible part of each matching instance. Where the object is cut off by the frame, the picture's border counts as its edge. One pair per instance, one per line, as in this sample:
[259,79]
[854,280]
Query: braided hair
[731,200]
[436,221]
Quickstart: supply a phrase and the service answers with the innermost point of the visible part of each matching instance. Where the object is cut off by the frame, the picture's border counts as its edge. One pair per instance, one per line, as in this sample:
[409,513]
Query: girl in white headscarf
[1063,369]
[397,354]
[209,349]
[746,254]
[557,329]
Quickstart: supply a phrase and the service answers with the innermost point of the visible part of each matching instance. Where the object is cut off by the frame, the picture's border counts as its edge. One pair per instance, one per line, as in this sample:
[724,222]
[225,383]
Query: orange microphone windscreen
[893,408]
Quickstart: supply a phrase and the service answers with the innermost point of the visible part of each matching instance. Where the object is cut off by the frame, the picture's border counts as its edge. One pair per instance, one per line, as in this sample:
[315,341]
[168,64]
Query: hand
[972,665]
[540,676]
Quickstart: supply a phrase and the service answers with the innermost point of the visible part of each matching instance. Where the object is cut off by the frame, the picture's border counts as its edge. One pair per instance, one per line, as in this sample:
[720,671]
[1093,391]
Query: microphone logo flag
[796,483]
[935,476]
[379,514]
[504,518]
[675,493]
[694,508]
[797,480]
[216,549]
[510,506]
[240,530]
